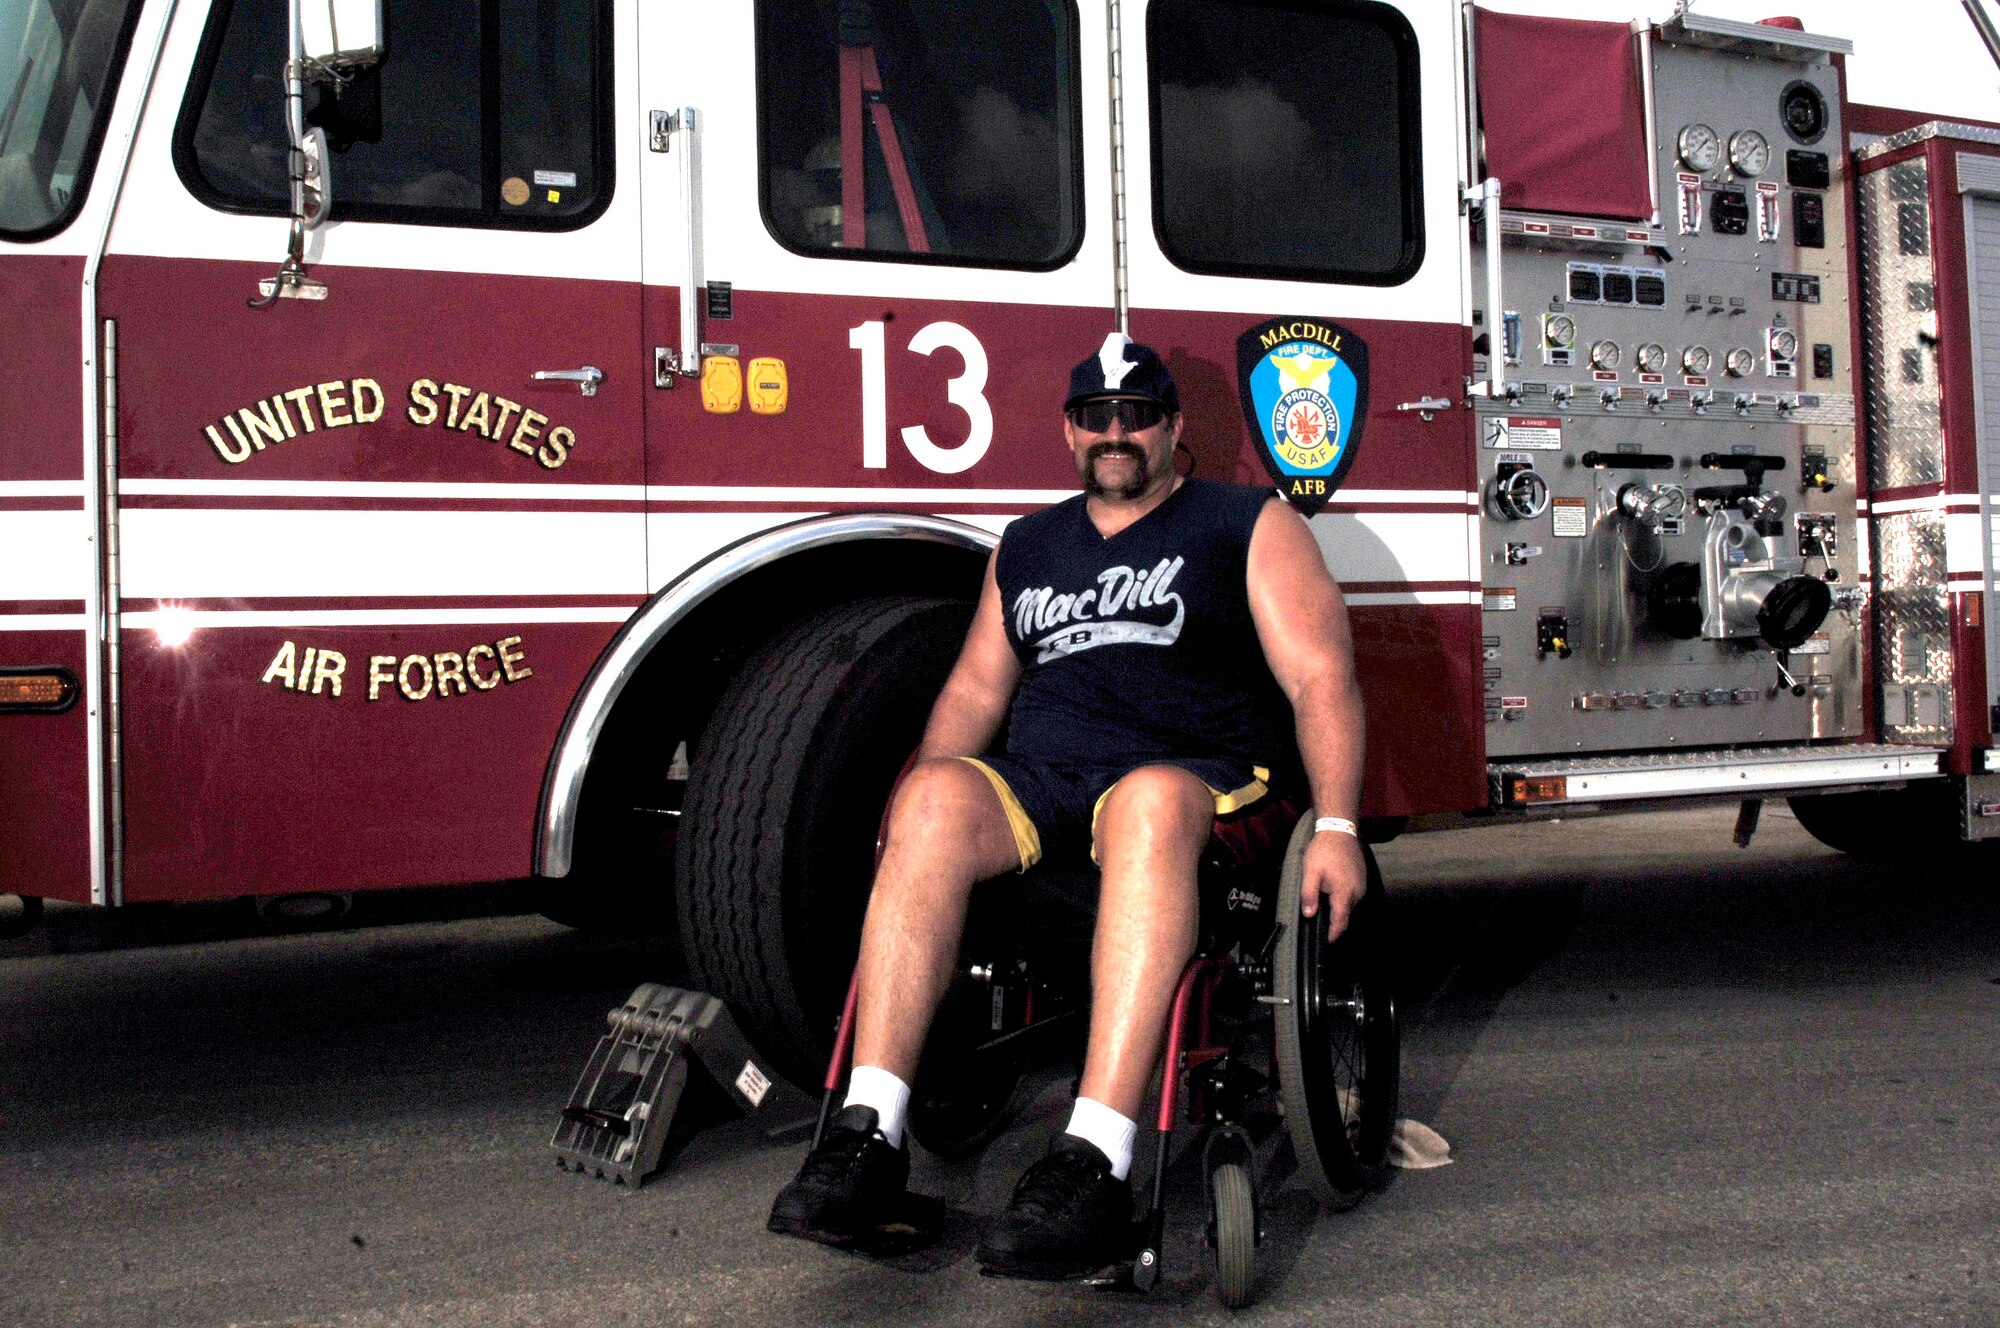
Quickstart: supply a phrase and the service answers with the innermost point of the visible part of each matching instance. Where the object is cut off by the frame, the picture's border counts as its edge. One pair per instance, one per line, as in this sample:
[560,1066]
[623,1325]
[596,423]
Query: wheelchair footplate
[1127,1273]
[917,1225]
[1134,1276]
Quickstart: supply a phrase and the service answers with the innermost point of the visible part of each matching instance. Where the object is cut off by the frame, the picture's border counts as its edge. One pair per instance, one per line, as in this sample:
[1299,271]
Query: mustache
[1135,482]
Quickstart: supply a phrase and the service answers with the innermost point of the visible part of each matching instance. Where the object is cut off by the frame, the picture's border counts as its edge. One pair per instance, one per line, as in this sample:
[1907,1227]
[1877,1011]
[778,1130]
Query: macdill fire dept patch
[1304,388]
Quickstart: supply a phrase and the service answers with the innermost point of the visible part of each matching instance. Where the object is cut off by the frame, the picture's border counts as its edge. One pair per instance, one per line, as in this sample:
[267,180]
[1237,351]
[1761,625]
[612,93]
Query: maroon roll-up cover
[1564,114]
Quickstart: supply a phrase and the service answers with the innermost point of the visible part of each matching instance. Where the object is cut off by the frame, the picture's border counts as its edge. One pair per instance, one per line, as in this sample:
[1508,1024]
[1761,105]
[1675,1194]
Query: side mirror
[330,39]
[341,34]
[317,194]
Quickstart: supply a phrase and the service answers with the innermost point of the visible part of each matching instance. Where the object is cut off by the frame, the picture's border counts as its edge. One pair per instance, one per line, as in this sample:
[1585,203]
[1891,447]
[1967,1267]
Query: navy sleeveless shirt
[1140,647]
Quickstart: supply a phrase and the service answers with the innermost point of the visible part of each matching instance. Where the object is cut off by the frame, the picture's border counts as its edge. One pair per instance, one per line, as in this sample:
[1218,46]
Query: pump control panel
[1676,443]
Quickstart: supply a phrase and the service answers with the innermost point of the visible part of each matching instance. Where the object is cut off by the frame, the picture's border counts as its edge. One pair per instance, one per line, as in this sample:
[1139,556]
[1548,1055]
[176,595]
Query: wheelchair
[1271,1025]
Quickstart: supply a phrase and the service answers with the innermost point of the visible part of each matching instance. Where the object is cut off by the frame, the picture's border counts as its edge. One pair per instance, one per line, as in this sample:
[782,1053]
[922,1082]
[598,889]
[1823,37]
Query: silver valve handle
[587,378]
[1521,496]
[1786,678]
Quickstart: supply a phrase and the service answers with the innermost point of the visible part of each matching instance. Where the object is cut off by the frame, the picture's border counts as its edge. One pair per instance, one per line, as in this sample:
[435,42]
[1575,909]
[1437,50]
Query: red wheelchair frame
[1335,1053]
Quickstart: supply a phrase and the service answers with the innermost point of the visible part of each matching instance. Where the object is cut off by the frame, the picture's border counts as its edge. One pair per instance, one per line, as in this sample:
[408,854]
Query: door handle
[1429,406]
[679,132]
[587,378]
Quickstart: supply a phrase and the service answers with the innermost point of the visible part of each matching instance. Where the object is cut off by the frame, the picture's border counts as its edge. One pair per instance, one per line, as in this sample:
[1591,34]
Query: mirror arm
[291,281]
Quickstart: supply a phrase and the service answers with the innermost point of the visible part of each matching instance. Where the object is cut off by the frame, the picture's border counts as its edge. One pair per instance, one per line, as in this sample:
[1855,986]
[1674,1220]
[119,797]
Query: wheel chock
[615,1126]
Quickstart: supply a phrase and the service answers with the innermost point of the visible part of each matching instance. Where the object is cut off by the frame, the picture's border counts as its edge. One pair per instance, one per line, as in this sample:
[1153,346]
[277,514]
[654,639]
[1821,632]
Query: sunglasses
[1096,416]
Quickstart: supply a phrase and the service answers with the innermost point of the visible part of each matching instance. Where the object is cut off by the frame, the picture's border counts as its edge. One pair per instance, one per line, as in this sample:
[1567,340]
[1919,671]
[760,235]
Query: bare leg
[1149,839]
[947,832]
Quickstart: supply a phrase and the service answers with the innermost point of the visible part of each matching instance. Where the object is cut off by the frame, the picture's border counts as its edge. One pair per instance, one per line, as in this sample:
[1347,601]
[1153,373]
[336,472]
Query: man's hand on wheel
[1335,868]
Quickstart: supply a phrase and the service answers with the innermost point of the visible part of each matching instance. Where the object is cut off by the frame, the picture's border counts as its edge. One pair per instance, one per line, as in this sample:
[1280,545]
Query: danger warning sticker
[1569,517]
[1535,433]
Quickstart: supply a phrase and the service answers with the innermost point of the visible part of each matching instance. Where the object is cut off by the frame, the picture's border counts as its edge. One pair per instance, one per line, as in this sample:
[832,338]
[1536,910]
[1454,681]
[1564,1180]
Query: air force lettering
[1091,617]
[1304,388]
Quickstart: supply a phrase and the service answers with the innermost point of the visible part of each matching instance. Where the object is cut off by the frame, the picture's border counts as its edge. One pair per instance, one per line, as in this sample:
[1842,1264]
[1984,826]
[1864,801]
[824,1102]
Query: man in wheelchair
[1113,643]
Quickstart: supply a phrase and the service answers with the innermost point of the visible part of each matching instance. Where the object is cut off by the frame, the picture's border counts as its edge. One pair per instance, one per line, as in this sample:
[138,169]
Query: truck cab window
[58,60]
[921,130]
[495,113]
[1285,139]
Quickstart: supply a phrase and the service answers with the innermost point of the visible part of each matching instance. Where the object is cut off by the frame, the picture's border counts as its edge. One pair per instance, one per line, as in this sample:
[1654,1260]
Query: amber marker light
[1526,790]
[44,690]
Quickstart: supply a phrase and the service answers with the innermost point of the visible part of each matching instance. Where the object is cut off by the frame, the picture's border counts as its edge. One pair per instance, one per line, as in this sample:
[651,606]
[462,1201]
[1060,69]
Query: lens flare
[173,627]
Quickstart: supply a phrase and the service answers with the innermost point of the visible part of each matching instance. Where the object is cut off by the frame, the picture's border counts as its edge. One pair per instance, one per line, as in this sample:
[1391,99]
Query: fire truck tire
[784,802]
[1891,825]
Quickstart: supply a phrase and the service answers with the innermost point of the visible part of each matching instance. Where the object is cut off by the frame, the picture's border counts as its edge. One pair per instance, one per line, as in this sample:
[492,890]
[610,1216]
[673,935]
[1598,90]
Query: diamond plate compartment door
[1912,606]
[1913,628]
[1899,330]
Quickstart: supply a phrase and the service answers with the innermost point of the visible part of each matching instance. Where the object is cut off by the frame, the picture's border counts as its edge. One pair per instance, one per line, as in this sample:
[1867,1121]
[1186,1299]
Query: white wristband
[1342,824]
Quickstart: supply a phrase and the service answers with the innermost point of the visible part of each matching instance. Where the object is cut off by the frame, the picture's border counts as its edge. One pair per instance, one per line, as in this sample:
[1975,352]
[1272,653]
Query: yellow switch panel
[768,386]
[721,385]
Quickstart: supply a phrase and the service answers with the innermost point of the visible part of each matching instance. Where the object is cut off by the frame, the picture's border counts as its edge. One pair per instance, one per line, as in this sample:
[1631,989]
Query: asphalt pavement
[1685,1084]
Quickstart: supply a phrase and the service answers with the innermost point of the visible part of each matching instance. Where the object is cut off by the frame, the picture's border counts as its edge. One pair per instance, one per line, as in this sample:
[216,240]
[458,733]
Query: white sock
[1095,1123]
[873,1086]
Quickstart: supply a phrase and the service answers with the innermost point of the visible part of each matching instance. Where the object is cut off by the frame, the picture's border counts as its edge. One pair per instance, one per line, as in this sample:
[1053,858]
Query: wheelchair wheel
[953,1121]
[964,1091]
[1339,1051]
[1235,1236]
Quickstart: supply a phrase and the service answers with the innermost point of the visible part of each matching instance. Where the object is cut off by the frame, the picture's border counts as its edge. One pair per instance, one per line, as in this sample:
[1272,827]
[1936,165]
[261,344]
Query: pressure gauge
[1696,361]
[1559,329]
[1650,357]
[1739,362]
[1700,147]
[1784,344]
[1605,355]
[1749,153]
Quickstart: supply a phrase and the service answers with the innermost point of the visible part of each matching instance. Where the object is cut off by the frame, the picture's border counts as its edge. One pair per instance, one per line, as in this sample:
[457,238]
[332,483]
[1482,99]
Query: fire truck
[562,438]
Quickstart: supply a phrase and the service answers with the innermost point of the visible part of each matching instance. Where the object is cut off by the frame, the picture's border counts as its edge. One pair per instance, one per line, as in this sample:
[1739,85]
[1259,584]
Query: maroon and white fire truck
[561,438]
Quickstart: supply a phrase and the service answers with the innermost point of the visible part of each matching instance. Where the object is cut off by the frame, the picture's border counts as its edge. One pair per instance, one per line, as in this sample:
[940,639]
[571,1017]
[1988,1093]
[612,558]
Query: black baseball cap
[1123,368]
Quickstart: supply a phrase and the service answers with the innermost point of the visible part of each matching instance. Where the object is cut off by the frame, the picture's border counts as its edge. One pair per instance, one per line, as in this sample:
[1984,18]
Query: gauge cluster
[1748,273]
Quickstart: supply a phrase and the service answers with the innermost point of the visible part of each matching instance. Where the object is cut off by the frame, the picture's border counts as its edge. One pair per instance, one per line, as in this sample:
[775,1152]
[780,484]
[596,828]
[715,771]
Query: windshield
[56,59]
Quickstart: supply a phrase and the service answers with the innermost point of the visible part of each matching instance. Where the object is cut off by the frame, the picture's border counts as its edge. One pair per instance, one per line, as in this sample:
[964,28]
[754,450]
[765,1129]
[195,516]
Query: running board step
[1524,783]
[615,1126]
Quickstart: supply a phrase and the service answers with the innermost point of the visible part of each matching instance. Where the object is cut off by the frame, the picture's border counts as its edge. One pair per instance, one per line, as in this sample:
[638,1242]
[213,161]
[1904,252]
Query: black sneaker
[1069,1216]
[850,1187]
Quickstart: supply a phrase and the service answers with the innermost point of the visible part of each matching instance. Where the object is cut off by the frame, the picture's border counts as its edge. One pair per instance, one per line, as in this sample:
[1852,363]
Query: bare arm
[1302,625]
[973,704]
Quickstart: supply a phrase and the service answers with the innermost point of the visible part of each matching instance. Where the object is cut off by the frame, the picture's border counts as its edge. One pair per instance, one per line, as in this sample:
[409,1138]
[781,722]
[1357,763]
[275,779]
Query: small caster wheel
[1235,1237]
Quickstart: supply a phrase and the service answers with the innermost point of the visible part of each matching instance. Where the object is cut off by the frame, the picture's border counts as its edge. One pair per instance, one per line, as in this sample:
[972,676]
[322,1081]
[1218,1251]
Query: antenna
[1987,32]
